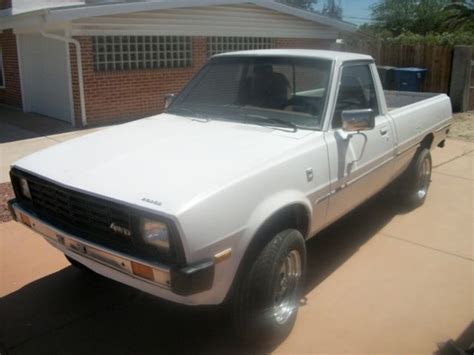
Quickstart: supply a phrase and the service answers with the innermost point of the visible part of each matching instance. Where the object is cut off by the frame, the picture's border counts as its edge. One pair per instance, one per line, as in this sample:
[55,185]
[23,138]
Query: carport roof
[60,15]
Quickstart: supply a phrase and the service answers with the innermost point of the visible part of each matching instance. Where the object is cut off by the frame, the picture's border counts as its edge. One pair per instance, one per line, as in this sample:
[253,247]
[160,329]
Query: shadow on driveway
[75,313]
[16,125]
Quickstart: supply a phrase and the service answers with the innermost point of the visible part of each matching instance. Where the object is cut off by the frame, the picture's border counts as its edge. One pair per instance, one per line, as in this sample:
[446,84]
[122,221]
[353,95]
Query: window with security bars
[218,45]
[141,52]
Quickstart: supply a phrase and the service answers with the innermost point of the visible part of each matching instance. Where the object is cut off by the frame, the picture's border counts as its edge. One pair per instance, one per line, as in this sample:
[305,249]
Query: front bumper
[158,279]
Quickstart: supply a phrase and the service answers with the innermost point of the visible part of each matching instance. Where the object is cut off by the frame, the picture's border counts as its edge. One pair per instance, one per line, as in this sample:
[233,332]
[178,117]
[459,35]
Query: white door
[360,164]
[45,77]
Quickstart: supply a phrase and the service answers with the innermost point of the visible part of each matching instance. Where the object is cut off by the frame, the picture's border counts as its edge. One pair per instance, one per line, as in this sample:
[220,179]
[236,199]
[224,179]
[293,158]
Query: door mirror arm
[346,136]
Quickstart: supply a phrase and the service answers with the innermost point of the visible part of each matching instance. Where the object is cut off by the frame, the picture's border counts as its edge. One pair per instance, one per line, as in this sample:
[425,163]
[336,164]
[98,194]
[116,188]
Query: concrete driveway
[379,282]
[24,133]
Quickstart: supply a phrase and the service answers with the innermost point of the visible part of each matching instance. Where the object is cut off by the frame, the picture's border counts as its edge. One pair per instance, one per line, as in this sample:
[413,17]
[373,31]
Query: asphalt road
[380,281]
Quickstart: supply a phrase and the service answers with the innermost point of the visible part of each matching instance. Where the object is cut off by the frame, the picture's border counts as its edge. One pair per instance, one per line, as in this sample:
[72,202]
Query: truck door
[360,163]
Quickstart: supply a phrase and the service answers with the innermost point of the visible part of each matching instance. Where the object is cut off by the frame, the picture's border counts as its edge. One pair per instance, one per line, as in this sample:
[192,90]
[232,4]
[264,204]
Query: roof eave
[307,15]
[71,13]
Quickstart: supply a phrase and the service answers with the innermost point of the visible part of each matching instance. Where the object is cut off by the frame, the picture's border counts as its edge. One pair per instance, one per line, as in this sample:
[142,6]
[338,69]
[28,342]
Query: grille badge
[120,230]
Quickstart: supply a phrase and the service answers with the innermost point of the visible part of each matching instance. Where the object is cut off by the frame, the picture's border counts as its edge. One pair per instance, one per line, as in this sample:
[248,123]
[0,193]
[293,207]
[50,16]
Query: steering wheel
[348,103]
[310,106]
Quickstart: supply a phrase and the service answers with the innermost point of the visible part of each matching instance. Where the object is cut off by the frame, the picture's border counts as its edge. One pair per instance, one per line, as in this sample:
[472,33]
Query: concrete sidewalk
[378,282]
[25,133]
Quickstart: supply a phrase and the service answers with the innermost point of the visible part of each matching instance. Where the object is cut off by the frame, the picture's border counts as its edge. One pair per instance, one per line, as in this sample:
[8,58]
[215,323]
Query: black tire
[254,307]
[78,265]
[414,183]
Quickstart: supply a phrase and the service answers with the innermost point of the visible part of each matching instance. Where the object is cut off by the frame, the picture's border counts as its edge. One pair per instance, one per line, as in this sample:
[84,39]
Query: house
[92,61]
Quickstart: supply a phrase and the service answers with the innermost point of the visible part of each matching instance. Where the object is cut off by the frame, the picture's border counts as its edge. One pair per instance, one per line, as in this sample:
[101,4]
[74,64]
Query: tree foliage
[303,4]
[417,16]
[332,8]
[459,17]
[449,39]
[439,22]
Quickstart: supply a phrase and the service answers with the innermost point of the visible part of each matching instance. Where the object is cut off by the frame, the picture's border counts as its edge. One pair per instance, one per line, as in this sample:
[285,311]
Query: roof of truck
[306,53]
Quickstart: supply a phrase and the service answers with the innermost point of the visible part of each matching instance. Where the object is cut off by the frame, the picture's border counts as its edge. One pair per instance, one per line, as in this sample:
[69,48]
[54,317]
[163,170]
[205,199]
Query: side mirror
[169,100]
[358,120]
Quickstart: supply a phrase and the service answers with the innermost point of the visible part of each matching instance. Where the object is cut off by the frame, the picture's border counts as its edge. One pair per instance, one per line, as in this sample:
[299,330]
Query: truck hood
[163,163]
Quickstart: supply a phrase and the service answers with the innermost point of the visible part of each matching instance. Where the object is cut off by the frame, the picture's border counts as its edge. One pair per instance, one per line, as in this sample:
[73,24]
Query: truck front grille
[79,211]
[92,218]
[86,216]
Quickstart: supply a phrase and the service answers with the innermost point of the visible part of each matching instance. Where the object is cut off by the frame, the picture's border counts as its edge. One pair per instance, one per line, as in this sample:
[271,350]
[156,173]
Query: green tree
[417,16]
[459,17]
[393,15]
[429,16]
[303,4]
[332,8]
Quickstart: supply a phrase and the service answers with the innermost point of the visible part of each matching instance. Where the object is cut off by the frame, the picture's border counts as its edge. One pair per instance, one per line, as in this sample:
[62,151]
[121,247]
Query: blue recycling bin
[409,79]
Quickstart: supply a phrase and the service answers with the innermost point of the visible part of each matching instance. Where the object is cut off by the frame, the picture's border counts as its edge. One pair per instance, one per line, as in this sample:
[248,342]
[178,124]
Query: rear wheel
[267,301]
[415,182]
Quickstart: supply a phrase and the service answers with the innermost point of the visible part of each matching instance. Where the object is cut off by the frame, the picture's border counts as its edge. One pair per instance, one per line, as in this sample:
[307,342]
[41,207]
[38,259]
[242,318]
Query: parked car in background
[212,201]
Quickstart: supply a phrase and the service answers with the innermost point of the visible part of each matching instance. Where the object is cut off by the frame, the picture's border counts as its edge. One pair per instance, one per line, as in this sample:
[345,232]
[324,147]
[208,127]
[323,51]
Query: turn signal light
[143,271]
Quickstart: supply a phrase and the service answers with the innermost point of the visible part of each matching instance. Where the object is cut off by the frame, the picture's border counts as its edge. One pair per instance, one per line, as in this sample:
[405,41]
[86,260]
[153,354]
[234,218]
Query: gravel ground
[463,126]
[6,193]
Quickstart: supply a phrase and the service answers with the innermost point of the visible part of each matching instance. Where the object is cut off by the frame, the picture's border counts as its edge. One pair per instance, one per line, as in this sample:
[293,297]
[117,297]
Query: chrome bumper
[160,276]
[184,281]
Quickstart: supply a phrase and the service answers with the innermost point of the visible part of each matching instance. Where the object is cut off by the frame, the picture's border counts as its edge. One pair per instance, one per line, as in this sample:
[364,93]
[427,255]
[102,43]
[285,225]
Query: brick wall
[11,94]
[128,94]
[5,4]
[131,94]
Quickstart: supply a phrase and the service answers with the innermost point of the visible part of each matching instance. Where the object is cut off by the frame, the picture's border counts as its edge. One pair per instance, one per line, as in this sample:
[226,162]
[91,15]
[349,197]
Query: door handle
[383,130]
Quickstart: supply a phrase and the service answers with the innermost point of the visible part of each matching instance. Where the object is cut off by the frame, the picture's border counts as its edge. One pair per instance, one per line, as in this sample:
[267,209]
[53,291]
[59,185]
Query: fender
[270,206]
[261,214]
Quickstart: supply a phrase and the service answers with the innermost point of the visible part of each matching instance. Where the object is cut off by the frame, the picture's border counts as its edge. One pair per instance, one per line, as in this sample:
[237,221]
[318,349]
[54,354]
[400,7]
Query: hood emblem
[149,200]
[120,230]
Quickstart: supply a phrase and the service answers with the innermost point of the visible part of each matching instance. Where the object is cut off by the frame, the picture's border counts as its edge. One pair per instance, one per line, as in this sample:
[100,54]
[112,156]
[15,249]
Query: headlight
[25,189]
[155,233]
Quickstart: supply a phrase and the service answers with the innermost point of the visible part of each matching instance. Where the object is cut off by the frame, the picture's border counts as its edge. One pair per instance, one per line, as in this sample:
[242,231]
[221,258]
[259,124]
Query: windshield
[277,91]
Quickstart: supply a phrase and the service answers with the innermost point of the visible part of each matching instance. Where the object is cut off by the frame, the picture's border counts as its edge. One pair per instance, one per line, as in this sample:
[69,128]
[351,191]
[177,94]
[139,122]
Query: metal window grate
[216,45]
[141,52]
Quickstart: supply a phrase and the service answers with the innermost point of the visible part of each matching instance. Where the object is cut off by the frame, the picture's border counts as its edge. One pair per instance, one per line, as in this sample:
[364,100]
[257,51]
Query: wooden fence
[437,59]
[471,86]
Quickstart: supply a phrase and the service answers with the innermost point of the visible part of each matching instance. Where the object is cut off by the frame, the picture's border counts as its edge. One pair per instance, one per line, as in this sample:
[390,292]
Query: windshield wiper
[267,121]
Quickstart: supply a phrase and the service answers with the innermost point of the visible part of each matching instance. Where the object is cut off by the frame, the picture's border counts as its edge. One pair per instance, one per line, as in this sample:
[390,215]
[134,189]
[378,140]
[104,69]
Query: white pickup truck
[212,201]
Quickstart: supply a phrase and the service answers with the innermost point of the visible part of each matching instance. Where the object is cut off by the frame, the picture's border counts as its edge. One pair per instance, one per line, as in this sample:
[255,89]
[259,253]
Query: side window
[356,92]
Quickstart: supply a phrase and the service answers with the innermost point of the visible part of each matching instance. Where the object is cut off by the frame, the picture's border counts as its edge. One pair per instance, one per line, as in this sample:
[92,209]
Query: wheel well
[293,216]
[427,141]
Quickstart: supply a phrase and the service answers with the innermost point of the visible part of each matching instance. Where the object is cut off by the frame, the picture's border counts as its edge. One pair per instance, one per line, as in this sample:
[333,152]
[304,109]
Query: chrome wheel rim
[424,178]
[286,290]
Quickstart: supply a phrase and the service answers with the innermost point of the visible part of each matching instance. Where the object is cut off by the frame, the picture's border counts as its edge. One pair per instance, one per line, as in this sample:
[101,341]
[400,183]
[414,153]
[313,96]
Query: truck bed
[417,114]
[397,99]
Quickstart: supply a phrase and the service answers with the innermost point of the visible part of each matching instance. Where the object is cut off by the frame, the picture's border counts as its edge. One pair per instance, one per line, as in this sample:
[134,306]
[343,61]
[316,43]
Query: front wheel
[267,302]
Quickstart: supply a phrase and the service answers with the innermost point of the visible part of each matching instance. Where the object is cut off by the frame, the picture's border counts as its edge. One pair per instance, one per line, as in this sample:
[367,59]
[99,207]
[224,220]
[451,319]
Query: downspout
[69,40]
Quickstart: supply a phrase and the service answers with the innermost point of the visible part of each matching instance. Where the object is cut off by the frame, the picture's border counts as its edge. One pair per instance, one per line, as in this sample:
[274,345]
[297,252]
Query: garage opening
[46,78]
